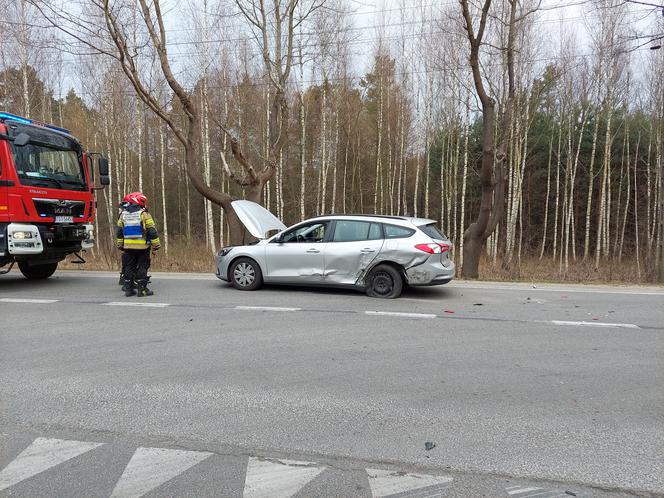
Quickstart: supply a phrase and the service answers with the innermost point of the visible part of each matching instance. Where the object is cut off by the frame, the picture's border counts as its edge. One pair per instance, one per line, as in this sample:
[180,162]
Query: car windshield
[48,160]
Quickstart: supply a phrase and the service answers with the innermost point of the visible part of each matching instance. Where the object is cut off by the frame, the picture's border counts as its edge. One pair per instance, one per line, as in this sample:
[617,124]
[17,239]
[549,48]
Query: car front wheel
[384,281]
[246,275]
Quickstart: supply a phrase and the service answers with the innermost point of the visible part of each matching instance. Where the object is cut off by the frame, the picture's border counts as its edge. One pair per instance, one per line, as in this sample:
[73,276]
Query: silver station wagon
[372,253]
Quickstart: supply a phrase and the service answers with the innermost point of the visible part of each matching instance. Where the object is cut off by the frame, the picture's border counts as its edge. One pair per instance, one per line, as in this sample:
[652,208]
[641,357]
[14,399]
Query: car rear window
[396,232]
[432,231]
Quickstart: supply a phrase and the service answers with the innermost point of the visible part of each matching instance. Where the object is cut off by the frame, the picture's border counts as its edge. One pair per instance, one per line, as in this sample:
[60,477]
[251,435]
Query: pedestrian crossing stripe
[152,467]
[390,483]
[277,479]
[41,455]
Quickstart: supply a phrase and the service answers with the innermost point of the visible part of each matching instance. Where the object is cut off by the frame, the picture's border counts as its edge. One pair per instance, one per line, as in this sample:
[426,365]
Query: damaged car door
[297,255]
[351,249]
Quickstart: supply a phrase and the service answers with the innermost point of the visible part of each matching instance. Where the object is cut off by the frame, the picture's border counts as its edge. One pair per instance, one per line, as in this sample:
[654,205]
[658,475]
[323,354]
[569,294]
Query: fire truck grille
[54,207]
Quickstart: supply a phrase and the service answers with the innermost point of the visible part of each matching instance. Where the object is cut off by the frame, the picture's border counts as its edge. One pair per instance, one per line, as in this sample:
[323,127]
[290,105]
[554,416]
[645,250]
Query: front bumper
[430,273]
[221,262]
[44,241]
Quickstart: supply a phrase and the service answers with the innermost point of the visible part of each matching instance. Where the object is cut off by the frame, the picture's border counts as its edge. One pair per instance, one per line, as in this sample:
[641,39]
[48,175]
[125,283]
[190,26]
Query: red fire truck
[47,202]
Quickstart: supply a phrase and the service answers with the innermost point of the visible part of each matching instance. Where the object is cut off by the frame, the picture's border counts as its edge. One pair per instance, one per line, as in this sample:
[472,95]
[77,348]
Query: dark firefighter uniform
[136,235]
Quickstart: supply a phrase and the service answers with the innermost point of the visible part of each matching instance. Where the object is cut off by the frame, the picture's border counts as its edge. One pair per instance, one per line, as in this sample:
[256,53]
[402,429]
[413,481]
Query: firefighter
[136,236]
[121,207]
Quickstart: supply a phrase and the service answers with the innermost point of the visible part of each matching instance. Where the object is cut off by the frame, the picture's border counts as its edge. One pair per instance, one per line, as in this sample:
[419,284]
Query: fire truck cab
[47,202]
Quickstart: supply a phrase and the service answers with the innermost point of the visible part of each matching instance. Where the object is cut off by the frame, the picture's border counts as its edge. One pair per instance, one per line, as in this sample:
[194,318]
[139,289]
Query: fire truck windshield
[40,163]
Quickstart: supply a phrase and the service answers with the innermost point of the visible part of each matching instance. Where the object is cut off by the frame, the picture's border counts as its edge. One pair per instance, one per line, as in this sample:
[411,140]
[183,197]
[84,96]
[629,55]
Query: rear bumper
[430,273]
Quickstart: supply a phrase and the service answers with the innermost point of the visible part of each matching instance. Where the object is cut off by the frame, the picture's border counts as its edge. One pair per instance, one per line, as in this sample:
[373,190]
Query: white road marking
[519,489]
[575,288]
[152,467]
[388,482]
[530,492]
[596,324]
[399,314]
[280,479]
[266,308]
[135,304]
[41,455]
[29,301]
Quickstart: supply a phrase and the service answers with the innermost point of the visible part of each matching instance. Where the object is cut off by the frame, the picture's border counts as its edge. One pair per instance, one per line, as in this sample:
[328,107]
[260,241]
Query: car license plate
[64,219]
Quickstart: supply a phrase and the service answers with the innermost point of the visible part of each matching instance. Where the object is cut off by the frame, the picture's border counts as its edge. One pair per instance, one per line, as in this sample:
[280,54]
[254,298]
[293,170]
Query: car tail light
[433,248]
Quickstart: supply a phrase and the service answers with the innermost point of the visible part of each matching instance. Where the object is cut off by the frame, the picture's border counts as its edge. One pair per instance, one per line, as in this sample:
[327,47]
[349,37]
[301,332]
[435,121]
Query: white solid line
[281,479]
[596,324]
[403,315]
[388,482]
[578,288]
[29,301]
[266,308]
[134,303]
[41,455]
[152,467]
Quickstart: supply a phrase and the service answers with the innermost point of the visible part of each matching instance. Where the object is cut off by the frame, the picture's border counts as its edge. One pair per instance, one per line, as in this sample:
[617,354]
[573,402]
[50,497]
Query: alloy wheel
[244,274]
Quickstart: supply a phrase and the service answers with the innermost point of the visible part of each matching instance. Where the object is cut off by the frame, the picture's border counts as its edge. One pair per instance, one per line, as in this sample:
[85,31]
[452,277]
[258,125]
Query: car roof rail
[386,216]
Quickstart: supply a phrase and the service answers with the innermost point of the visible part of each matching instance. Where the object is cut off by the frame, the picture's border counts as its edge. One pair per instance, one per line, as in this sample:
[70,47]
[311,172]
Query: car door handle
[366,249]
[312,250]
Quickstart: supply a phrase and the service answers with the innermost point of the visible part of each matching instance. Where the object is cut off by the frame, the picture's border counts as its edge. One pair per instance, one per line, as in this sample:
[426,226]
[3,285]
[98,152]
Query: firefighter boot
[122,280]
[129,288]
[143,290]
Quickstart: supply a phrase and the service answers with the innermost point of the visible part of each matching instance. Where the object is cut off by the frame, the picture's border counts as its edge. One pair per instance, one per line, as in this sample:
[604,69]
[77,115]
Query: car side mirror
[104,180]
[21,140]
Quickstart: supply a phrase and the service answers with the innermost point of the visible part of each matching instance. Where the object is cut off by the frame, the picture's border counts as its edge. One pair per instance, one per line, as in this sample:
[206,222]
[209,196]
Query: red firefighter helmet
[137,198]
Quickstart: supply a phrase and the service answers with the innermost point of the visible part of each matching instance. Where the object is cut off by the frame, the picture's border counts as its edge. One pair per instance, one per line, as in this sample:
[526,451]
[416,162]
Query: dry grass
[195,257]
[180,258]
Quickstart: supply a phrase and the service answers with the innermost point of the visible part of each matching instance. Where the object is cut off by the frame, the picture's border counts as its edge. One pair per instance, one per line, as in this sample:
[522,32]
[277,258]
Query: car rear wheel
[246,275]
[384,281]
[37,272]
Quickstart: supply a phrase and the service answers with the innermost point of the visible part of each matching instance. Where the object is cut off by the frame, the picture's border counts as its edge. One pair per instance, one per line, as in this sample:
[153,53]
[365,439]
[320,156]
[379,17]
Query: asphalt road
[202,390]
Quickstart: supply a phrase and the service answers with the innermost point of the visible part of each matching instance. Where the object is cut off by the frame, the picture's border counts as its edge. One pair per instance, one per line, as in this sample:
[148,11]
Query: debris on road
[428,446]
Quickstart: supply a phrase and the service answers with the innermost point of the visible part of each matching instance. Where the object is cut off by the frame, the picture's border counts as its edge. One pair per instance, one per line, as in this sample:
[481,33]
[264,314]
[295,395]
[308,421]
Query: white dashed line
[402,315]
[596,324]
[133,303]
[28,301]
[266,308]
[530,492]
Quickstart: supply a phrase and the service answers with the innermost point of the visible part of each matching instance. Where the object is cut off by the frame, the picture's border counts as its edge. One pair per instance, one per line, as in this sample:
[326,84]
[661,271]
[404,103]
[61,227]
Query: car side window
[351,231]
[311,232]
[396,232]
[375,232]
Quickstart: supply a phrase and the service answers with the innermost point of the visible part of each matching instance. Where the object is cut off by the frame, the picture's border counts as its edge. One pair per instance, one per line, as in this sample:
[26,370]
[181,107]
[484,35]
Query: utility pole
[660,245]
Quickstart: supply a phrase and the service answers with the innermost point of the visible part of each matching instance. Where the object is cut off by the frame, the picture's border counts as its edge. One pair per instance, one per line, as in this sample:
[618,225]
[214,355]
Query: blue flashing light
[20,119]
[14,117]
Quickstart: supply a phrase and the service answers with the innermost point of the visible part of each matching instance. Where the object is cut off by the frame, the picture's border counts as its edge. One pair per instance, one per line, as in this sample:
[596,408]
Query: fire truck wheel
[37,272]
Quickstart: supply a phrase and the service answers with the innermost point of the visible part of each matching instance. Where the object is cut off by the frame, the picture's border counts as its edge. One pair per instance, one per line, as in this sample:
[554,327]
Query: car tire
[245,274]
[37,272]
[384,281]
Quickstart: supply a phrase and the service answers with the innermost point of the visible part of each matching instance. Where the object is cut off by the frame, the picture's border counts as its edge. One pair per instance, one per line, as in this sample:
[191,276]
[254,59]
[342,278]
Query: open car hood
[257,220]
